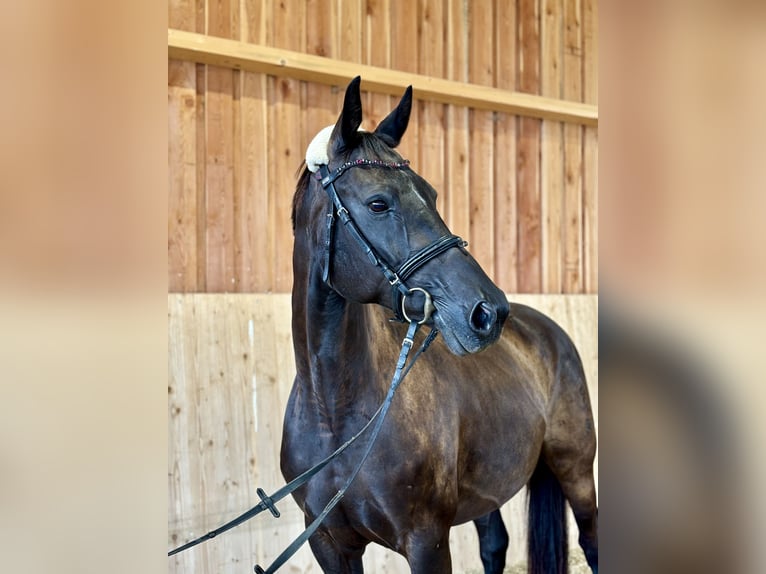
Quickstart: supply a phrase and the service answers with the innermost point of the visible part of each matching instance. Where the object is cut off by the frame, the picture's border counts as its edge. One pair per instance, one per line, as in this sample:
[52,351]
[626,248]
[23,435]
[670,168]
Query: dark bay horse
[500,403]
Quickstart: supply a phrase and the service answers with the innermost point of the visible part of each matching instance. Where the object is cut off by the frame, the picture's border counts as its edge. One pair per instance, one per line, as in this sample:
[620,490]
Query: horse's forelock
[373,146]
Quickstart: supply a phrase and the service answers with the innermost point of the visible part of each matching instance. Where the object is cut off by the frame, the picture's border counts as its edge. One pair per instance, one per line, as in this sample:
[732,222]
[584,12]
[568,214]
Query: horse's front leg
[331,559]
[427,551]
[493,541]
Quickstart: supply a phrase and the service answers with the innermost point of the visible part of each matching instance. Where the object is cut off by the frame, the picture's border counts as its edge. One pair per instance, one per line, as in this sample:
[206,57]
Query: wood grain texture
[505,191]
[230,369]
[377,52]
[528,152]
[573,219]
[481,138]
[287,140]
[458,207]
[220,157]
[523,191]
[254,234]
[297,65]
[431,157]
[182,175]
[552,149]
[182,15]
[404,57]
[590,147]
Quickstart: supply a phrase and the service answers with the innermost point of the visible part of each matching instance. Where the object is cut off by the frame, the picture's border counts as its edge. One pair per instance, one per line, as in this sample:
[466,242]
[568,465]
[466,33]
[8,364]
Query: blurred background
[84,280]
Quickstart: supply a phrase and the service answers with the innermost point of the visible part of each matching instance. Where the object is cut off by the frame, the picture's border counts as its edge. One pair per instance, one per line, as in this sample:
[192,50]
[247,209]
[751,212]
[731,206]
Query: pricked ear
[344,135]
[392,128]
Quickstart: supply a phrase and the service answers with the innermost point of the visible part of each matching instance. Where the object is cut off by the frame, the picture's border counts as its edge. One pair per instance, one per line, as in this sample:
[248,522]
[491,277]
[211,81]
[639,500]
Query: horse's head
[376,234]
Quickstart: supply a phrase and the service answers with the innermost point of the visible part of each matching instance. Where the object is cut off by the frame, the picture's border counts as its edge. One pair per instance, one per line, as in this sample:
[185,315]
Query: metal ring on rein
[428,306]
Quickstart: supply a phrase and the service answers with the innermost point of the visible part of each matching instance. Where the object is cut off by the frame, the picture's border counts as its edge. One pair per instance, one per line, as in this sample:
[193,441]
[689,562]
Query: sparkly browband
[336,173]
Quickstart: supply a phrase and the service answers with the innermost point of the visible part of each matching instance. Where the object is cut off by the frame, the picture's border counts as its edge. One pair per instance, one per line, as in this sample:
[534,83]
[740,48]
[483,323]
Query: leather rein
[399,294]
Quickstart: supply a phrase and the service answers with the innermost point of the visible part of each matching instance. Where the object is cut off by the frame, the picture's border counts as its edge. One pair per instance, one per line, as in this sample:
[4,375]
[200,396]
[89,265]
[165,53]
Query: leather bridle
[396,277]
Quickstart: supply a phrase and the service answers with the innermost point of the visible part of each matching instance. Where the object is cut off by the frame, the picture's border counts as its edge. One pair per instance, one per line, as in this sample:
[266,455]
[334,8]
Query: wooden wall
[523,191]
[231,367]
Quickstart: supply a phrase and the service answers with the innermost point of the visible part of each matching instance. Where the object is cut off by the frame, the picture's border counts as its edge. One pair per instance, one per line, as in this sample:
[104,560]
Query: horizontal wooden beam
[265,59]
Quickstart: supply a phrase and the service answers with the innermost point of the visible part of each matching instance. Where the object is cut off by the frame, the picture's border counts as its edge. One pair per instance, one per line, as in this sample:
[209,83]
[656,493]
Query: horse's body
[465,433]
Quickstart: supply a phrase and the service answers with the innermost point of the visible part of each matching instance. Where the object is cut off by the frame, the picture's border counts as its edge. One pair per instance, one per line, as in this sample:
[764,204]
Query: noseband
[394,276]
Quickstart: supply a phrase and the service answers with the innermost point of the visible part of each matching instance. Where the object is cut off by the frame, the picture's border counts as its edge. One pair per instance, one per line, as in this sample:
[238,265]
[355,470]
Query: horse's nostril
[483,317]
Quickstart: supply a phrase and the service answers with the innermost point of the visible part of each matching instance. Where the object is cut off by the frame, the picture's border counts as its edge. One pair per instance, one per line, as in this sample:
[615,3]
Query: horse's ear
[392,128]
[345,135]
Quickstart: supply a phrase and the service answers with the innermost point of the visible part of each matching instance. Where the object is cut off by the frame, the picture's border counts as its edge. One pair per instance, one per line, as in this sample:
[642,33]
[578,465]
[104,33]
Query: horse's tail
[547,546]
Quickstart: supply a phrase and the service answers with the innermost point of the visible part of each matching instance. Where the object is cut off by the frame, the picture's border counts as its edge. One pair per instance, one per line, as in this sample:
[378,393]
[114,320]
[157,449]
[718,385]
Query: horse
[499,402]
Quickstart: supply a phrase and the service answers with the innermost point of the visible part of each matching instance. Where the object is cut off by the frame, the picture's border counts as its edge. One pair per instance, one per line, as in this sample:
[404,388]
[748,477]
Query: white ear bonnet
[316,153]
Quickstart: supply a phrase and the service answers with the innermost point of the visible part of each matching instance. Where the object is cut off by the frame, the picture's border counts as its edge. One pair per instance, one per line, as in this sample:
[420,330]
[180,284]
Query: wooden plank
[222,19]
[590,51]
[182,15]
[457,210]
[431,114]
[377,50]
[182,176]
[482,128]
[201,227]
[552,149]
[322,102]
[528,162]
[590,147]
[286,146]
[573,229]
[350,46]
[404,59]
[590,209]
[254,240]
[219,172]
[506,249]
[294,64]
[219,181]
[210,406]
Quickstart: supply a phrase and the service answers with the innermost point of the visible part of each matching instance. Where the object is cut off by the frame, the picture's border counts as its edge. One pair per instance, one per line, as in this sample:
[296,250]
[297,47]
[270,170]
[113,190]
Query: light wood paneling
[182,175]
[481,138]
[522,190]
[230,370]
[293,64]
[457,152]
[590,147]
[552,149]
[573,168]
[504,185]
[528,153]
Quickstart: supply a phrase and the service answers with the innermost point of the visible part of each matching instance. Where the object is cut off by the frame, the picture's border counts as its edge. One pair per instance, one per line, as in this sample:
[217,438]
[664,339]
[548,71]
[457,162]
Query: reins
[269,502]
[400,292]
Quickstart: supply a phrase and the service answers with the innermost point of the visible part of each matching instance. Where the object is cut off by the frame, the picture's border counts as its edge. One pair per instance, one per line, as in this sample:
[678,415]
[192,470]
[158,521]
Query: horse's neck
[332,349]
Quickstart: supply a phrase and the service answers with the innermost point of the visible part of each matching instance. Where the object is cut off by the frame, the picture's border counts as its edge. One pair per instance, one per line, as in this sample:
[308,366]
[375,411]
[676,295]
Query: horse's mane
[371,146]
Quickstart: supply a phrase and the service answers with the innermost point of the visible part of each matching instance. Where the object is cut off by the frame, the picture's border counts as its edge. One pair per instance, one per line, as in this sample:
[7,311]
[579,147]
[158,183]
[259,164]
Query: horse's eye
[378,206]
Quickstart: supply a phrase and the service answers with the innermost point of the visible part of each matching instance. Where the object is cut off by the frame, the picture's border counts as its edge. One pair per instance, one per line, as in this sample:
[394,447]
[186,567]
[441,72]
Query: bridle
[396,277]
[400,292]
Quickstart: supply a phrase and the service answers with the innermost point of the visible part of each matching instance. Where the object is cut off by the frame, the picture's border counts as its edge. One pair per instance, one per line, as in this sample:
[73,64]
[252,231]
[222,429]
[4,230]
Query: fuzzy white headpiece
[316,153]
